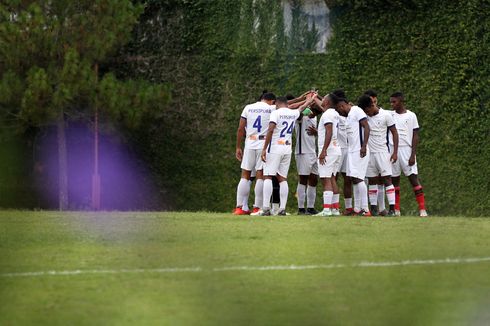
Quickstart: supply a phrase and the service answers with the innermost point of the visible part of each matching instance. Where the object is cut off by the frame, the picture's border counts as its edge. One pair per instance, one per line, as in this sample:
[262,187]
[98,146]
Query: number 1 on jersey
[258,123]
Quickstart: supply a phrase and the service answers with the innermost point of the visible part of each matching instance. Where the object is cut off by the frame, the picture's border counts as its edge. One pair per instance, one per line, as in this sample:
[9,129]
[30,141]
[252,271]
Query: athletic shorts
[357,165]
[401,164]
[343,159]
[251,160]
[331,166]
[379,164]
[277,164]
[306,164]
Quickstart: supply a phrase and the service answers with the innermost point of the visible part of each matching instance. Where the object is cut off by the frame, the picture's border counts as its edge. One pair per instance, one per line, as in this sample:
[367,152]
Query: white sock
[242,191]
[245,200]
[390,193]
[348,202]
[259,192]
[373,194]
[381,198]
[363,194]
[266,203]
[327,199]
[357,197]
[283,194]
[335,199]
[301,191]
[310,196]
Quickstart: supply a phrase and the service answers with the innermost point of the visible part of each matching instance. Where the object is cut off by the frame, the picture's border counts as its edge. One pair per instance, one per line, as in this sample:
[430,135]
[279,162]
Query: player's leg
[381,197]
[243,188]
[356,169]
[372,175]
[311,194]
[347,184]
[282,174]
[276,198]
[390,194]
[395,178]
[301,193]
[419,194]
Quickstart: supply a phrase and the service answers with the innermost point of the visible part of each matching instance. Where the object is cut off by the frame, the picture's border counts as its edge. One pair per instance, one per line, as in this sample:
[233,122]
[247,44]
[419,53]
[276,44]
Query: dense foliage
[220,55]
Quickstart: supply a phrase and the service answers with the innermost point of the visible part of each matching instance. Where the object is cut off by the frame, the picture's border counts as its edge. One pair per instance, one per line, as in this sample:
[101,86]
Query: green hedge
[216,61]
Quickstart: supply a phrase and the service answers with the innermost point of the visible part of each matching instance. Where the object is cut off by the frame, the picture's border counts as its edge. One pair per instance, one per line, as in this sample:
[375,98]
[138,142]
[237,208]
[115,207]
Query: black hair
[290,97]
[336,99]
[340,93]
[371,92]
[269,97]
[261,95]
[282,99]
[397,94]
[364,102]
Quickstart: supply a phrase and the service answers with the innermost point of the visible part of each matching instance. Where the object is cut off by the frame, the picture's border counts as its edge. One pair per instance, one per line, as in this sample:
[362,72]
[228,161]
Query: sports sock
[357,197]
[363,194]
[266,203]
[335,201]
[283,193]
[327,199]
[245,199]
[381,198]
[259,192]
[397,198]
[310,196]
[348,203]
[373,194]
[390,193]
[242,191]
[419,196]
[301,191]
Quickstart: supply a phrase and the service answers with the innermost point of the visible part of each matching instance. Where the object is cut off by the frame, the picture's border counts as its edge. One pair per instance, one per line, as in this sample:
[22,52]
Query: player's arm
[328,138]
[240,134]
[296,104]
[394,134]
[364,123]
[415,142]
[304,106]
[268,138]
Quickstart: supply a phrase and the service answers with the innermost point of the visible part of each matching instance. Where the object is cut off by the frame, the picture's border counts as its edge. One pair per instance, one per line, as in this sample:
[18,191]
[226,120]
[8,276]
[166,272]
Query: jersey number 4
[258,124]
[288,129]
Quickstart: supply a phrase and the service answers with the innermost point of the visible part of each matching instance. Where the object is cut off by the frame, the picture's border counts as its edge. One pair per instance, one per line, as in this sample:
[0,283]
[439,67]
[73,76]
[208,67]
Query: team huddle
[334,138]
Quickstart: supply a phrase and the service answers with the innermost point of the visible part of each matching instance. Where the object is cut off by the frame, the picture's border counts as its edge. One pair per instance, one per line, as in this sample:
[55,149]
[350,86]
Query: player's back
[257,116]
[285,120]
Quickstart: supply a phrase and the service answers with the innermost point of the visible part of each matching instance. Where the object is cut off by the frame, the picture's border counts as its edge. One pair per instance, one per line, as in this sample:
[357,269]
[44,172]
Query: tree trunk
[62,163]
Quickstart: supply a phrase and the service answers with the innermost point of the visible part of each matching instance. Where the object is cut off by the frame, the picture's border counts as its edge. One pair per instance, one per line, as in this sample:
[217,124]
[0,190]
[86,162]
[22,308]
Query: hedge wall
[219,55]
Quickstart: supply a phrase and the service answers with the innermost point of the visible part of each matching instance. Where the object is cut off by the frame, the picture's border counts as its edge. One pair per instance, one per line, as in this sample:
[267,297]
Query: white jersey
[330,116]
[305,144]
[405,123]
[379,125]
[342,133]
[257,116]
[282,137]
[355,132]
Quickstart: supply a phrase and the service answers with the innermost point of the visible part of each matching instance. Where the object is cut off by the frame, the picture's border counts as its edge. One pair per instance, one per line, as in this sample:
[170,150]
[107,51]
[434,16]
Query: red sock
[397,198]
[419,196]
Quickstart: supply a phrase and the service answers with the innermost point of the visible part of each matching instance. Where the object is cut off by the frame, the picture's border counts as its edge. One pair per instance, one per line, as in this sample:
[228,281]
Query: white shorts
[306,164]
[277,164]
[357,165]
[331,166]
[251,160]
[401,164]
[379,164]
[343,159]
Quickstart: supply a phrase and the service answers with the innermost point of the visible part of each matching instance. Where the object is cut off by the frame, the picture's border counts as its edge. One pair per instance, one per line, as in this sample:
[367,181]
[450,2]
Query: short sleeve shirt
[282,137]
[379,125]
[355,131]
[331,117]
[405,123]
[257,116]
[305,144]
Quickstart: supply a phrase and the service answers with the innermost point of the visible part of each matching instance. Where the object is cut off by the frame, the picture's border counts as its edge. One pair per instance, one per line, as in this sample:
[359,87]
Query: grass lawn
[219,269]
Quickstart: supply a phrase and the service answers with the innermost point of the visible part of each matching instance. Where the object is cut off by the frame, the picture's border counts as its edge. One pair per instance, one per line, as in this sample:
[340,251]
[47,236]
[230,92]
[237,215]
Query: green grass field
[219,269]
